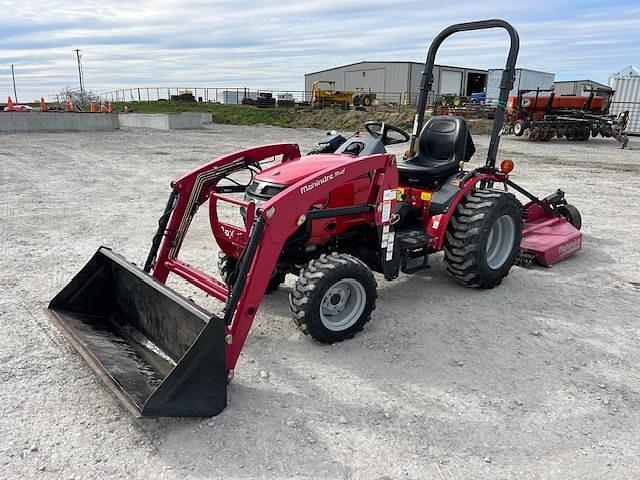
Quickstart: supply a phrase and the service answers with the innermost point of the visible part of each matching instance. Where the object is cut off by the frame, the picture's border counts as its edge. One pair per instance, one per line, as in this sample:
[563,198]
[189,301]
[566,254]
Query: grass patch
[228,114]
[328,119]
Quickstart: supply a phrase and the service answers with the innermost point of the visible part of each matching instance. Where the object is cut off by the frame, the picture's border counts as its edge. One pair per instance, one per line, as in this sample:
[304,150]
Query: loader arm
[190,191]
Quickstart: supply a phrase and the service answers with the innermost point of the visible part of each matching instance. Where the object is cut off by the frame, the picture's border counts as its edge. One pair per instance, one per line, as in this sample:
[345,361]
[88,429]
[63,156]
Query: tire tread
[463,237]
[310,275]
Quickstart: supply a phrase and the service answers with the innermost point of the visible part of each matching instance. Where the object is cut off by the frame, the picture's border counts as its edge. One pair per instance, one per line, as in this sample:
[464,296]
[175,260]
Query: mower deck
[550,239]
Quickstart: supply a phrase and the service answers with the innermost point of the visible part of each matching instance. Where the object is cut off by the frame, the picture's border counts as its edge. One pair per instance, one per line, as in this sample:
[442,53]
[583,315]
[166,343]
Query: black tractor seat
[444,142]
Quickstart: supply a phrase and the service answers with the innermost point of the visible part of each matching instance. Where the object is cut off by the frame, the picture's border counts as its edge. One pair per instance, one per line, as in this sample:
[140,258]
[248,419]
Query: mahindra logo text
[320,181]
[567,248]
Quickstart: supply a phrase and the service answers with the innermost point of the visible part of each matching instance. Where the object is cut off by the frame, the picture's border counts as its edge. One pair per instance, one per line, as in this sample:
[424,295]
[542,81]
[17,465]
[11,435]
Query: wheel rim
[342,304]
[500,242]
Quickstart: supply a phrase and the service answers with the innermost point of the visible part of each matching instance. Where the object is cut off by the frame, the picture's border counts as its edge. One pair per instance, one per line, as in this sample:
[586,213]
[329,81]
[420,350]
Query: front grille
[262,190]
[259,192]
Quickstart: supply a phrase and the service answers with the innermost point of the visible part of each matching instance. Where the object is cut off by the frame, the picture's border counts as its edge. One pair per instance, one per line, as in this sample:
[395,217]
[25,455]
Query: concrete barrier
[187,120]
[165,121]
[87,122]
[56,121]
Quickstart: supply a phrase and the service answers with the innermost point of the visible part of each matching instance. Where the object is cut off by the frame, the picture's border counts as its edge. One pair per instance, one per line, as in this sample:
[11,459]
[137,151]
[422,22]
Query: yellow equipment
[321,97]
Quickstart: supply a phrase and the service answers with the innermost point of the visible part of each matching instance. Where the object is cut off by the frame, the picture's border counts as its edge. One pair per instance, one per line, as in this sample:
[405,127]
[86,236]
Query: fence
[234,95]
[383,101]
[229,95]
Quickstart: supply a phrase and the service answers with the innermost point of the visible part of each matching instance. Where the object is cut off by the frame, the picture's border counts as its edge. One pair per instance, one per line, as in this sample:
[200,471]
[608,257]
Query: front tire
[227,268]
[333,297]
[483,238]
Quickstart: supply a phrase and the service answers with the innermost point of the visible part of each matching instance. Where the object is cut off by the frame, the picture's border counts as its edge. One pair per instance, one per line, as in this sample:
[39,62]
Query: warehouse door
[370,80]
[450,82]
[476,82]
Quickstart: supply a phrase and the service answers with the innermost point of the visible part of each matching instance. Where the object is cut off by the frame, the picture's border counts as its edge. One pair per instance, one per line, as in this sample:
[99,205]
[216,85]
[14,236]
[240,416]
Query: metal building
[400,81]
[525,79]
[577,87]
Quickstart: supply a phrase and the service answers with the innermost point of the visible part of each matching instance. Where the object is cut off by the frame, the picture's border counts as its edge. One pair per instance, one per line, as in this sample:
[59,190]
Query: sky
[272,44]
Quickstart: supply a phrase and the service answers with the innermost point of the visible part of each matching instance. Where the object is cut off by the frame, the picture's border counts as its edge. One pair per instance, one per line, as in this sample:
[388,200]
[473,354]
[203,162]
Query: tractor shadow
[440,368]
[255,437]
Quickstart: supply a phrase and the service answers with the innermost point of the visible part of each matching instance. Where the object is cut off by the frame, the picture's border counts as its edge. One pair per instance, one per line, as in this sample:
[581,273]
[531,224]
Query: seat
[444,142]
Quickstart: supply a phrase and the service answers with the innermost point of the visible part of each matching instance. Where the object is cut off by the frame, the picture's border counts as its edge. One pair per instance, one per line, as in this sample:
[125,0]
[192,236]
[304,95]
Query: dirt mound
[332,119]
[348,120]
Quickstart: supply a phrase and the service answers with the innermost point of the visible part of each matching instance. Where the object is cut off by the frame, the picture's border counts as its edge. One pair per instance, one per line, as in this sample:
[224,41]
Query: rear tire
[333,297]
[483,238]
[572,214]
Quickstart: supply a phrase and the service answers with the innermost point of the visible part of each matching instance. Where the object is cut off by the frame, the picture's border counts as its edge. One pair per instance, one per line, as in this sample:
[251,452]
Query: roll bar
[506,84]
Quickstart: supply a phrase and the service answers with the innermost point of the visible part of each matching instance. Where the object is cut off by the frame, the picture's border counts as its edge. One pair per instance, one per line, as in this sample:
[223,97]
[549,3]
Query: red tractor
[333,218]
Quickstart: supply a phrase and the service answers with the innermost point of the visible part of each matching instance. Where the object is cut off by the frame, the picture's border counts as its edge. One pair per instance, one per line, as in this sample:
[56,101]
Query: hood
[290,172]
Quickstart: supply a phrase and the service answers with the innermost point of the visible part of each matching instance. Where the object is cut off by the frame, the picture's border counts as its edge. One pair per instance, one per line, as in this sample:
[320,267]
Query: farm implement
[576,118]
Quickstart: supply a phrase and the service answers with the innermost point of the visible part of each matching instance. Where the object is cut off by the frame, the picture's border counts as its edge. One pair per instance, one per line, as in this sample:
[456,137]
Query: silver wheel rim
[517,128]
[500,242]
[342,304]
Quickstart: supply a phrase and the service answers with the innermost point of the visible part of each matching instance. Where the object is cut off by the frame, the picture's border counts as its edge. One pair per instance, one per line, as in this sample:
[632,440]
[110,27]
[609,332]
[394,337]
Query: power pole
[13,76]
[80,75]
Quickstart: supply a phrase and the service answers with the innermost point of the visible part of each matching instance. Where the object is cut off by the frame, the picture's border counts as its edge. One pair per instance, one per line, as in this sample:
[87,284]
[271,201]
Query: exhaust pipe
[158,352]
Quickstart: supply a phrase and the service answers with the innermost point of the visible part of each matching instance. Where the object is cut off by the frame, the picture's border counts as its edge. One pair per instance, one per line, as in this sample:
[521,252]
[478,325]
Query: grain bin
[627,97]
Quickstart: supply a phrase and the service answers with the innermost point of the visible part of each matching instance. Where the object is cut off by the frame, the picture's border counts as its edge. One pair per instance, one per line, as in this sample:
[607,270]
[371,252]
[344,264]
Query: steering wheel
[382,134]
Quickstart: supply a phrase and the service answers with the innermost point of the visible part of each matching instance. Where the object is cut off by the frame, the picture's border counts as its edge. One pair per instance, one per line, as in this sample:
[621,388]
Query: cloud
[268,44]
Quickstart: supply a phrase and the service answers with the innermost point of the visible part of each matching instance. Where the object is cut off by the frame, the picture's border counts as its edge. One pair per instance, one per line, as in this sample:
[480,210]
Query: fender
[438,223]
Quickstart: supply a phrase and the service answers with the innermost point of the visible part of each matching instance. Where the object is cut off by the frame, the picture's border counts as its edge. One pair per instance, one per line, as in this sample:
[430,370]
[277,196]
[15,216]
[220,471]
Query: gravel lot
[538,378]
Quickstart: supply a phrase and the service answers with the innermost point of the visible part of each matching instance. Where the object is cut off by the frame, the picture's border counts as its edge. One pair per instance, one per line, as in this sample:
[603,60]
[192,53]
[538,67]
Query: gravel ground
[535,379]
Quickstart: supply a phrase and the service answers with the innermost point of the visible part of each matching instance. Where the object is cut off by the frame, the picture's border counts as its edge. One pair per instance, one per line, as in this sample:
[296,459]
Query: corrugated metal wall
[575,88]
[377,76]
[525,79]
[567,88]
[393,78]
[627,97]
[437,89]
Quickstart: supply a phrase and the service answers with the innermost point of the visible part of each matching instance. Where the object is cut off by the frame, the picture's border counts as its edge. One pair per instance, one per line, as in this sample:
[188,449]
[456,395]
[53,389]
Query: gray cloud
[264,44]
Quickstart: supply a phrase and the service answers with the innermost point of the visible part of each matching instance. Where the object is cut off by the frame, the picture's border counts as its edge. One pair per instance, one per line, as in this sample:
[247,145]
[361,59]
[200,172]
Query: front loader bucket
[158,352]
